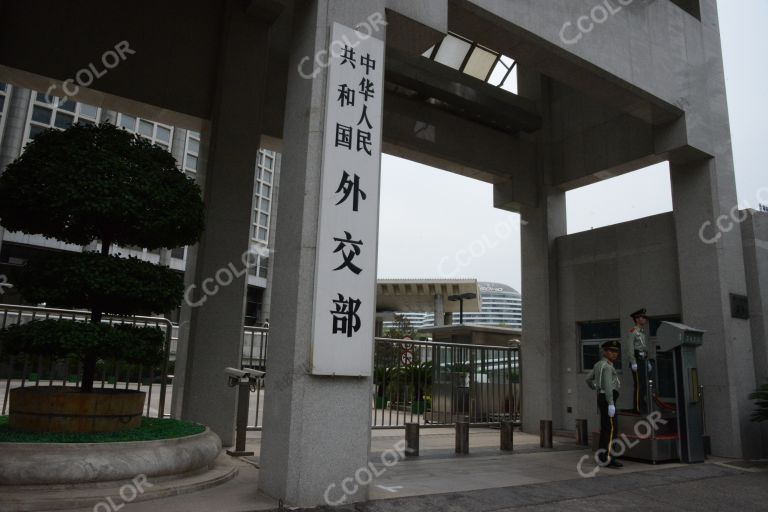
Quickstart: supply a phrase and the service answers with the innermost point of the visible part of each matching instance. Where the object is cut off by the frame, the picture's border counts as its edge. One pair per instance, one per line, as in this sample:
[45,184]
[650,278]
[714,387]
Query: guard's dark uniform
[636,347]
[604,379]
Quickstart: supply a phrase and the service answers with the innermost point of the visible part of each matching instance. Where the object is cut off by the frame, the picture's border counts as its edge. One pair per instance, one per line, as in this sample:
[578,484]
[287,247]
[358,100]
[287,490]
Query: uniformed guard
[604,379]
[636,348]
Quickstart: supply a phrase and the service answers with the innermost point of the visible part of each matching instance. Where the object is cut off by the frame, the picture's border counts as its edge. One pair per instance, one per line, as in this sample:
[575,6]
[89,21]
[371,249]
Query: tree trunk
[89,373]
[89,362]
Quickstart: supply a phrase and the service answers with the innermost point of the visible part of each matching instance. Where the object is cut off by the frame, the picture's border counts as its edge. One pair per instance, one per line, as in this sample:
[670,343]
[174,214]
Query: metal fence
[46,371]
[255,356]
[433,384]
[436,384]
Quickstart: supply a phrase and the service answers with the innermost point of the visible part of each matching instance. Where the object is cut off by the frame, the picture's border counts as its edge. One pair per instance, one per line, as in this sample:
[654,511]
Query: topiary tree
[98,184]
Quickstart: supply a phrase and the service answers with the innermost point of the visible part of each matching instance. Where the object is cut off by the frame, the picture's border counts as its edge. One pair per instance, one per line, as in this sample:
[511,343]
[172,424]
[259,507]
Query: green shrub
[70,339]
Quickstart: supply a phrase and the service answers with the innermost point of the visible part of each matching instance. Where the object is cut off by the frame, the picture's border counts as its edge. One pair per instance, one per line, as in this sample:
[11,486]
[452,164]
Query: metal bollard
[545,434]
[462,437]
[507,436]
[243,397]
[582,433]
[411,439]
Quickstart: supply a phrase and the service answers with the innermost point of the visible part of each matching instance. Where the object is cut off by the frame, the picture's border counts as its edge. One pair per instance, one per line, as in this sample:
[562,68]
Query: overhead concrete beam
[517,192]
[472,98]
[432,14]
[593,142]
[410,36]
[187,30]
[431,136]
[528,31]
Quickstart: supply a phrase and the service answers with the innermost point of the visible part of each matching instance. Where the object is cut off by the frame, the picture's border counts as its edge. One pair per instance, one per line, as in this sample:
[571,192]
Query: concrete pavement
[489,480]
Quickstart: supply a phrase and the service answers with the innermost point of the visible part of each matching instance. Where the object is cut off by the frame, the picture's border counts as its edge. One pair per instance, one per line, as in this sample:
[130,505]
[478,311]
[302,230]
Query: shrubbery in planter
[98,184]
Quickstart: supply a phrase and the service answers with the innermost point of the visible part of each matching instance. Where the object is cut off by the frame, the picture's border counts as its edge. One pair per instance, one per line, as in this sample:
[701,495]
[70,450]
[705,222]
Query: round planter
[79,463]
[66,409]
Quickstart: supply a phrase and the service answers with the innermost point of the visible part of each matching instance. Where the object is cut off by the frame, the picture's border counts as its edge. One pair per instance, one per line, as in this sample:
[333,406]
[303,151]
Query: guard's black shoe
[614,464]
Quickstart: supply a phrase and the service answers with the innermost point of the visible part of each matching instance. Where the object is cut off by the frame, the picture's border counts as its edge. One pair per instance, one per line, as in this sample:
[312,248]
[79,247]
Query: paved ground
[488,480]
[702,487]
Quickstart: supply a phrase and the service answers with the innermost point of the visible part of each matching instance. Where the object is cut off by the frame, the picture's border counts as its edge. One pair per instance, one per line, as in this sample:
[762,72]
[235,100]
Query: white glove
[650,366]
[611,411]
[634,367]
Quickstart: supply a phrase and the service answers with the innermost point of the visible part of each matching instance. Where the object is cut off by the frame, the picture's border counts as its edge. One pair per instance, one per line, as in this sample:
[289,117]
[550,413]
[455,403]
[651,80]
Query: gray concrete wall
[606,274]
[755,235]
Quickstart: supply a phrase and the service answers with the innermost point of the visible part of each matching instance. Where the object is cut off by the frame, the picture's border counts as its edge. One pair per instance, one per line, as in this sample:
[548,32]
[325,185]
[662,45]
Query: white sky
[438,224]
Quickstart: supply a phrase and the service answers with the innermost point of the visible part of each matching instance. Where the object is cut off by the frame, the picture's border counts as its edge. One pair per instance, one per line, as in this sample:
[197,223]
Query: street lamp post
[461,298]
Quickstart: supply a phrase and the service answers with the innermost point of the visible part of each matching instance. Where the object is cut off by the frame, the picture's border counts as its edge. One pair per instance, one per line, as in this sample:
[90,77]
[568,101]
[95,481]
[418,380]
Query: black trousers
[640,381]
[608,426]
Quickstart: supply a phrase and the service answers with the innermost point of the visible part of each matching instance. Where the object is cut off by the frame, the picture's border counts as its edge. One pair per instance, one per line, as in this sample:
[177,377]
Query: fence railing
[46,371]
[436,384]
[254,355]
[430,383]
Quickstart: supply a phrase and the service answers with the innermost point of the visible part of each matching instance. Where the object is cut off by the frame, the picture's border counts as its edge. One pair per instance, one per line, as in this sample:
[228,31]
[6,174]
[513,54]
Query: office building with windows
[25,113]
[500,306]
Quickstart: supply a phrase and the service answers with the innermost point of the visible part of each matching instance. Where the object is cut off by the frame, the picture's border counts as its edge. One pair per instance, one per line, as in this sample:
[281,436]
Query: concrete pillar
[316,429]
[462,437]
[411,439]
[13,133]
[704,190]
[439,310]
[545,434]
[507,441]
[543,221]
[215,317]
[755,236]
[709,272]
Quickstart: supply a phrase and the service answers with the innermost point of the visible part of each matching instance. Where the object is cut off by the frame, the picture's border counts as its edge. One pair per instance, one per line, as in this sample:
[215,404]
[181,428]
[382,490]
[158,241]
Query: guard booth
[673,426]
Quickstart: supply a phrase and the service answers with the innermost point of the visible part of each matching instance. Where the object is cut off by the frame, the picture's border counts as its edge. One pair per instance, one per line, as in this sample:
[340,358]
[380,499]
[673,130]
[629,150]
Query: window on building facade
[157,133]
[5,94]
[262,201]
[592,336]
[191,152]
[53,112]
[260,268]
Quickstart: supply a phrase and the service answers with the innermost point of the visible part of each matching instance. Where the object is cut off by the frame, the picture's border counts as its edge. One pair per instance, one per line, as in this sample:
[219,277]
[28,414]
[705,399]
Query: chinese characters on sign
[345,287]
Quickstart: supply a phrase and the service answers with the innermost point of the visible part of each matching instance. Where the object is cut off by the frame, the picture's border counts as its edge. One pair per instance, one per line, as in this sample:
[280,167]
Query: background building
[500,306]
[25,113]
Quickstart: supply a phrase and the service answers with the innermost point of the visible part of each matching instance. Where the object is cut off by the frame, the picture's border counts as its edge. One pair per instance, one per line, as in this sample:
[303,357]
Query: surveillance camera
[234,373]
[244,376]
[253,374]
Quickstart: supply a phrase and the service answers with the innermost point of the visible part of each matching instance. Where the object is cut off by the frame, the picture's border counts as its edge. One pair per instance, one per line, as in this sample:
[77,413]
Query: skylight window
[475,60]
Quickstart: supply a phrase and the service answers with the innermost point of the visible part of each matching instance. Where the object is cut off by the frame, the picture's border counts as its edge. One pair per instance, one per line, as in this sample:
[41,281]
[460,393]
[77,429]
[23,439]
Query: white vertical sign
[345,276]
